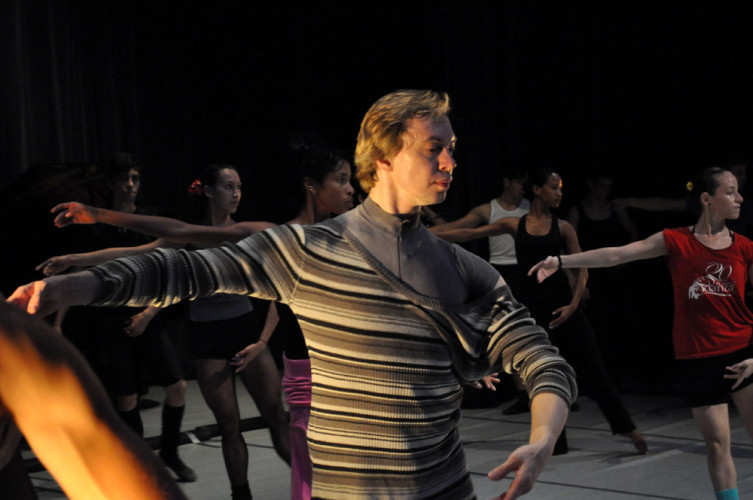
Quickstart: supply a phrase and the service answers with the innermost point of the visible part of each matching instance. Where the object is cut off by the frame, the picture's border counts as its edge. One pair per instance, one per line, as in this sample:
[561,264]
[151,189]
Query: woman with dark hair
[713,328]
[221,327]
[555,305]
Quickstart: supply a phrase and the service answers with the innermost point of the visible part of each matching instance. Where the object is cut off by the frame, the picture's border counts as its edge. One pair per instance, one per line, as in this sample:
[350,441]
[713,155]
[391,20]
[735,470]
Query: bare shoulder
[566,228]
[483,211]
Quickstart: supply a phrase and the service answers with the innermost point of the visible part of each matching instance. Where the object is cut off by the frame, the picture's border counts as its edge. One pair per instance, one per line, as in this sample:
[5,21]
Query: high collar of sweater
[393,225]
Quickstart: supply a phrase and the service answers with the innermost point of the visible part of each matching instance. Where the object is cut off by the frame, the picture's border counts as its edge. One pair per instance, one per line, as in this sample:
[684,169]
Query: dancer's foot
[185,473]
[638,441]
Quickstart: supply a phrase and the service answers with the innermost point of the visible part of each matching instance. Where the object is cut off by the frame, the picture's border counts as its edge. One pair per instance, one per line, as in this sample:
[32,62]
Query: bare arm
[655,204]
[160,227]
[476,217]
[580,276]
[78,436]
[245,356]
[508,225]
[573,217]
[60,263]
[434,218]
[651,247]
[548,415]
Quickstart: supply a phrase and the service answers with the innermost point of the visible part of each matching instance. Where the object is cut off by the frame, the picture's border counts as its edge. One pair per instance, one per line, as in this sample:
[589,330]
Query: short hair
[120,164]
[382,128]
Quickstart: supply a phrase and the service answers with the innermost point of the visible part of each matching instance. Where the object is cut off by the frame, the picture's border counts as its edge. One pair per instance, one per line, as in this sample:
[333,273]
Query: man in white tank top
[510,203]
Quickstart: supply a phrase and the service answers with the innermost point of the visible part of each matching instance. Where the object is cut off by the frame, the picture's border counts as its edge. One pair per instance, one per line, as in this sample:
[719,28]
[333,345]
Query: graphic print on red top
[715,282]
[710,314]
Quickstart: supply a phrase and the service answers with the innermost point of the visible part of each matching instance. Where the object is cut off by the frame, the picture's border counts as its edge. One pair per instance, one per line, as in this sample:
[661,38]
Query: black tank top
[554,292]
[597,233]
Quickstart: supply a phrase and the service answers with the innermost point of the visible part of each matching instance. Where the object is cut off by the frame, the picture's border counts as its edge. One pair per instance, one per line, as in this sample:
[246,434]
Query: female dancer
[712,329]
[555,306]
[324,190]
[220,327]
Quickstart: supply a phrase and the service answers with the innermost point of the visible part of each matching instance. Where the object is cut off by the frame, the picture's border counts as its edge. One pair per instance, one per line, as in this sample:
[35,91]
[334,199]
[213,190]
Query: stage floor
[598,466]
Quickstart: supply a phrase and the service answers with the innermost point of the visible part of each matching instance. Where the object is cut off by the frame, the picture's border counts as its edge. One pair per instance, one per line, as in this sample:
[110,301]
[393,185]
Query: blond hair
[382,128]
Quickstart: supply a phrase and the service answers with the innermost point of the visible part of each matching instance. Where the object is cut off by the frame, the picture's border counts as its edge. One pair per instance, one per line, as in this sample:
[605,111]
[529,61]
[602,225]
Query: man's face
[125,186]
[515,188]
[421,172]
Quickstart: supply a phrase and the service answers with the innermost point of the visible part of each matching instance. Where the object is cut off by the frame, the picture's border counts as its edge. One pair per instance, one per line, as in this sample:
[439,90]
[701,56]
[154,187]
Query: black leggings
[576,340]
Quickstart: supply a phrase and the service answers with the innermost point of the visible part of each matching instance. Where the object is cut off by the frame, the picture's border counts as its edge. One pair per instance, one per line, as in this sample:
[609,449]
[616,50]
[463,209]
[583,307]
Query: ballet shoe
[638,441]
[185,473]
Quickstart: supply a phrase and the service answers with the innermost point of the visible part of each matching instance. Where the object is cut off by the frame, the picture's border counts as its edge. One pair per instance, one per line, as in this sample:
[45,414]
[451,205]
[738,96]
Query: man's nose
[446,161]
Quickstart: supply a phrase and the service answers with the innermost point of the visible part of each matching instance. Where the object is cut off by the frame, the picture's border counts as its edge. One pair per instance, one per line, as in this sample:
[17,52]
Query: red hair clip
[196,189]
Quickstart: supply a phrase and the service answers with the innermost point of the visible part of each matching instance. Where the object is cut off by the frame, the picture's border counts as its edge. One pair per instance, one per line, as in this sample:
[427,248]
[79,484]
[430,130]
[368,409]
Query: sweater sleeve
[497,333]
[258,266]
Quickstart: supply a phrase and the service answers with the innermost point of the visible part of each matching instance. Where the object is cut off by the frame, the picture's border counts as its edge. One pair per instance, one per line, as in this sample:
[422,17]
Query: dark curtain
[68,77]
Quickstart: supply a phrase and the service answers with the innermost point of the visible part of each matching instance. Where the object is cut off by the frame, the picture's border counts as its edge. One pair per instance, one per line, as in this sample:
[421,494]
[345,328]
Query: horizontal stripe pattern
[385,364]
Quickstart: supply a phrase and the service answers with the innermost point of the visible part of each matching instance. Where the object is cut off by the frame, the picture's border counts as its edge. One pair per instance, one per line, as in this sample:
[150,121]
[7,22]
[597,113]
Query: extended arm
[653,204]
[167,276]
[476,217]
[60,263]
[78,436]
[651,247]
[160,227]
[508,225]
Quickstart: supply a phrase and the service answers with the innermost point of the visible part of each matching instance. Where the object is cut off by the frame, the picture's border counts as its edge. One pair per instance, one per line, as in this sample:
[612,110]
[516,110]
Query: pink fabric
[297,386]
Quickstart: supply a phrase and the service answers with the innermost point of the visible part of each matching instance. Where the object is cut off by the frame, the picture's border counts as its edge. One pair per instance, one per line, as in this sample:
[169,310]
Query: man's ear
[384,165]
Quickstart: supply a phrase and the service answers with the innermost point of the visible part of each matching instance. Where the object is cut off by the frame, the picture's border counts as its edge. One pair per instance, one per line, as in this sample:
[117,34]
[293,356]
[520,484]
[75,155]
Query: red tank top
[709,286]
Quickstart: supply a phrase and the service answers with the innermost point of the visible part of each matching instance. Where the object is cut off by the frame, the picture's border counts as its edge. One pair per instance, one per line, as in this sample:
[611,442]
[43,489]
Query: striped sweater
[386,360]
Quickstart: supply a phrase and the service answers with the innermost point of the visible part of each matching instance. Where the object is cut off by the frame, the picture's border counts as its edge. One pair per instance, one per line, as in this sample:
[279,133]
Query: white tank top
[502,247]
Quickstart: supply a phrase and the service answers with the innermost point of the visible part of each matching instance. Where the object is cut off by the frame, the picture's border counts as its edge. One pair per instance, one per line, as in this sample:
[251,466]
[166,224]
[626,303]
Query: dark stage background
[647,91]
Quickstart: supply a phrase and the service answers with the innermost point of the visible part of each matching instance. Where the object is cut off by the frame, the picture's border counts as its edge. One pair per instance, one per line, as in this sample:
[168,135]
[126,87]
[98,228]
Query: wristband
[559,260]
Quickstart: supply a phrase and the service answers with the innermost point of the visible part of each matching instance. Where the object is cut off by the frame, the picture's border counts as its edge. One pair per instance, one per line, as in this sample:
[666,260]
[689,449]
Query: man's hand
[74,213]
[548,416]
[526,462]
[47,296]
[34,298]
